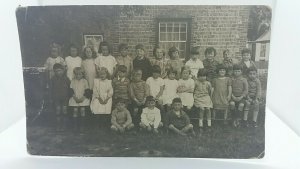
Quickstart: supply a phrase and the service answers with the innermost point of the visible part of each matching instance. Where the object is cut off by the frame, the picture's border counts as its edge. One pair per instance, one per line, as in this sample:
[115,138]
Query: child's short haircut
[186,68]
[221,66]
[58,66]
[72,45]
[176,100]
[156,69]
[78,70]
[237,67]
[123,46]
[149,98]
[251,69]
[120,100]
[171,50]
[155,49]
[246,50]
[210,50]
[202,72]
[100,69]
[104,43]
[139,46]
[194,51]
[224,51]
[171,71]
[122,68]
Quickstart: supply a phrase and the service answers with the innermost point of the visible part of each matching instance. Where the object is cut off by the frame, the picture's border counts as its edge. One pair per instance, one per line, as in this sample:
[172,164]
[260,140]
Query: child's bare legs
[82,119]
[255,112]
[58,117]
[208,116]
[75,119]
[201,116]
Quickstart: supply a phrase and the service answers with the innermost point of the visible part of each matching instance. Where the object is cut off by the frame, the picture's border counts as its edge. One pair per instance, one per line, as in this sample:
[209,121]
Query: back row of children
[102,82]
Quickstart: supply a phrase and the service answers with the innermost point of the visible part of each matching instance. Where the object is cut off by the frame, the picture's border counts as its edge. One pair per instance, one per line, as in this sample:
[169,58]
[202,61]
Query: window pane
[163,36]
[170,27]
[169,37]
[176,27]
[182,36]
[183,27]
[163,28]
[176,36]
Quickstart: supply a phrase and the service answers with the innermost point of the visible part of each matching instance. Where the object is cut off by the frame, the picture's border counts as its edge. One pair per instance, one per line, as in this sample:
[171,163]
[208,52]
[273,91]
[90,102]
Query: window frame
[188,32]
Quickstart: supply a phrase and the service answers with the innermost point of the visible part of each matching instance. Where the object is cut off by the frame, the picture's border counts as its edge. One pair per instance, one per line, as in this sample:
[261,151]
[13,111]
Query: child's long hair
[94,54]
[155,49]
[78,70]
[210,50]
[104,43]
[171,50]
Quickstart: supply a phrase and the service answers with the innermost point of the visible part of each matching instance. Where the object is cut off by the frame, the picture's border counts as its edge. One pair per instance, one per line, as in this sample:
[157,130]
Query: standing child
[60,88]
[141,62]
[102,96]
[254,94]
[178,121]
[170,90]
[174,63]
[194,63]
[202,98]
[121,85]
[239,93]
[227,62]
[139,90]
[186,89]
[105,59]
[150,118]
[124,58]
[79,101]
[54,58]
[120,117]
[88,65]
[221,92]
[160,60]
[209,63]
[72,61]
[246,62]
[156,85]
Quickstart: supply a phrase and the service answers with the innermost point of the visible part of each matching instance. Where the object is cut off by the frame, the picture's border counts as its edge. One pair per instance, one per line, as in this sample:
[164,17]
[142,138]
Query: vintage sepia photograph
[145,81]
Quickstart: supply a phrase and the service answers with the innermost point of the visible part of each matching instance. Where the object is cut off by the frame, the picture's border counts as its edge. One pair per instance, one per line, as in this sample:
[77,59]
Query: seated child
[246,62]
[160,60]
[186,89]
[239,93]
[194,63]
[60,92]
[170,89]
[178,121]
[254,94]
[139,90]
[120,117]
[121,85]
[141,62]
[156,85]
[174,63]
[79,101]
[202,100]
[150,117]
[209,63]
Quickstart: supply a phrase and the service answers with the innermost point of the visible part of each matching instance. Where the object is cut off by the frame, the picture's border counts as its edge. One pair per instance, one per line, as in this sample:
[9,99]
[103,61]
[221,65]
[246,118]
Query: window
[263,49]
[176,33]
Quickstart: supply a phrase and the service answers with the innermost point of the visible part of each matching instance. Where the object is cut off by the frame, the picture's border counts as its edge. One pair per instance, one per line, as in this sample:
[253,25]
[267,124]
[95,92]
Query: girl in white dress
[79,101]
[105,59]
[186,88]
[72,61]
[88,65]
[170,89]
[102,96]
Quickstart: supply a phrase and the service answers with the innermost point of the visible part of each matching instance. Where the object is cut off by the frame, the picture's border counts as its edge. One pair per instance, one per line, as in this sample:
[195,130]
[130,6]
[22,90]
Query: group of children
[151,92]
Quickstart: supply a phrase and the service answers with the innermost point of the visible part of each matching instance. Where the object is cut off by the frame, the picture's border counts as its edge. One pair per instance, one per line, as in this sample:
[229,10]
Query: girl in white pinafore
[186,88]
[102,93]
[88,65]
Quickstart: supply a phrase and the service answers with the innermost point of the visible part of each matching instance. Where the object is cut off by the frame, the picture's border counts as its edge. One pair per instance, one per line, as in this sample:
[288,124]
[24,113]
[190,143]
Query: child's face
[252,75]
[59,72]
[88,53]
[237,73]
[201,78]
[151,104]
[226,55]
[105,51]
[185,74]
[159,54]
[177,106]
[210,56]
[194,57]
[175,55]
[78,75]
[124,52]
[120,106]
[222,72]
[54,52]
[140,53]
[121,74]
[172,76]
[246,56]
[137,75]
[102,74]
[73,52]
[155,75]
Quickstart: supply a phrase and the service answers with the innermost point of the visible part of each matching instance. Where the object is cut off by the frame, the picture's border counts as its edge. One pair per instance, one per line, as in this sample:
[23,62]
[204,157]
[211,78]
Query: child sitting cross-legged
[178,121]
[120,117]
[151,118]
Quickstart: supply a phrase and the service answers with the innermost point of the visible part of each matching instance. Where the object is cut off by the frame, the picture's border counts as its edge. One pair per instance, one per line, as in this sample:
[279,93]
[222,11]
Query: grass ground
[221,141]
